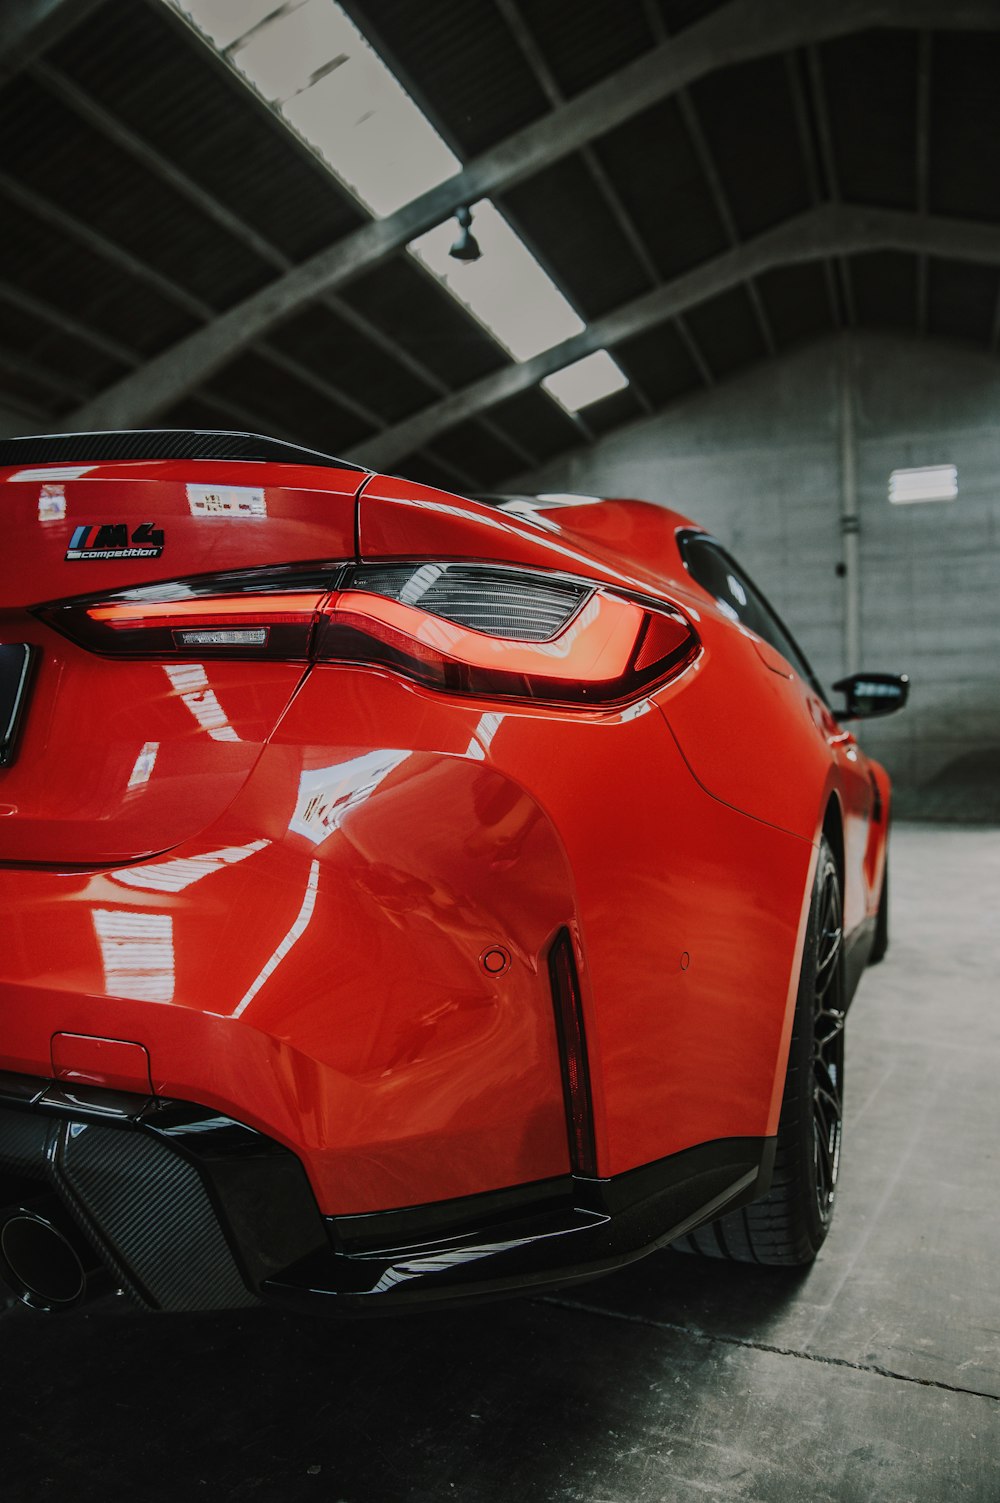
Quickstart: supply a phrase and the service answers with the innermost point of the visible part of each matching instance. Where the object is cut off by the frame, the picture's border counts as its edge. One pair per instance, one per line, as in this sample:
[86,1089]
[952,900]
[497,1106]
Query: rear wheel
[789,1224]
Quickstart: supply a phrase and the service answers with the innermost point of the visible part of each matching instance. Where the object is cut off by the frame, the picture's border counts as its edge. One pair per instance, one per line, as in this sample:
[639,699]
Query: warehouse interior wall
[759,461]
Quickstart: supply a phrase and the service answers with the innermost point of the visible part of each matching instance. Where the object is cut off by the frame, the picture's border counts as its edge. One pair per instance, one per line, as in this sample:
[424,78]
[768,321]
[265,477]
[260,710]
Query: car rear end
[315,787]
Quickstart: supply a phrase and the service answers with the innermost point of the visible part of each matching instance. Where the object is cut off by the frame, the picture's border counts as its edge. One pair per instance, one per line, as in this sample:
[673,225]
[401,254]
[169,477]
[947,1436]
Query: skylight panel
[936,482]
[309,61]
[373,136]
[586,381]
[283,54]
[507,290]
[224,21]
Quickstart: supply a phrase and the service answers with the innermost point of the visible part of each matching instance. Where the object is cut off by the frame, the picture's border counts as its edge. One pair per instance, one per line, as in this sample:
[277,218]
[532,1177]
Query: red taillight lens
[610,651]
[256,614]
[277,625]
[462,628]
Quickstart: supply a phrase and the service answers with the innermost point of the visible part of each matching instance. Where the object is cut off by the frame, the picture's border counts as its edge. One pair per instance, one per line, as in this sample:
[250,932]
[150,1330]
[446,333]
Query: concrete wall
[758,461]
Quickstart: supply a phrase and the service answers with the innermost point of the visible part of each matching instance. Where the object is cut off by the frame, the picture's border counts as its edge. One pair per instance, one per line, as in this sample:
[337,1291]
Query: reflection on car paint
[191,682]
[137,952]
[142,769]
[178,872]
[327,794]
[291,939]
[482,736]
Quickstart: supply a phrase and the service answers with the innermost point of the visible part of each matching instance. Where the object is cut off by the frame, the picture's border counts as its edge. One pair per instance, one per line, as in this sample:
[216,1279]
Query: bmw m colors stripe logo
[112,540]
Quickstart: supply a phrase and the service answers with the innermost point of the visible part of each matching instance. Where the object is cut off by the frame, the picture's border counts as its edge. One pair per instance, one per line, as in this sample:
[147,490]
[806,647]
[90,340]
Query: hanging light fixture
[466,247]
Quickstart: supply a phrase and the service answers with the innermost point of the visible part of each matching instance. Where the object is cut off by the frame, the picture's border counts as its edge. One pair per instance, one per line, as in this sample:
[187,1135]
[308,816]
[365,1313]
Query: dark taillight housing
[463,628]
[496,633]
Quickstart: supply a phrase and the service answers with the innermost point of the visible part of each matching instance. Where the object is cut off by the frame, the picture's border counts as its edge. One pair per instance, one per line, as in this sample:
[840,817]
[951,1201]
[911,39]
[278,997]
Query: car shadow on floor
[528,1396]
[710,1296]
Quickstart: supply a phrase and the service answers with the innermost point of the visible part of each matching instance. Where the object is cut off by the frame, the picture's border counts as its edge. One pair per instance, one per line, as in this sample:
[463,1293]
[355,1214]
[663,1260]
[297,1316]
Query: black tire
[788,1226]
[880,944]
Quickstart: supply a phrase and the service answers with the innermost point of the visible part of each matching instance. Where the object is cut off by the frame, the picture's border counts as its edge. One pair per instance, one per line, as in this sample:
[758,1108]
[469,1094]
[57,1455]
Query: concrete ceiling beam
[832,230]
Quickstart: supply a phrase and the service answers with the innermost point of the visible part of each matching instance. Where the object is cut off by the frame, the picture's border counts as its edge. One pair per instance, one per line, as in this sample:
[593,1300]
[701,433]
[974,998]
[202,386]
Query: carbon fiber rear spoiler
[160,443]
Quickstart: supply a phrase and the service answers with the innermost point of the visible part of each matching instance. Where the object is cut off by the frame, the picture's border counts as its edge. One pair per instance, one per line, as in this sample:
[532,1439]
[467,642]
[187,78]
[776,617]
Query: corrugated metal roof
[143,64]
[461,63]
[563,212]
[965,126]
[748,119]
[655,169]
[585,40]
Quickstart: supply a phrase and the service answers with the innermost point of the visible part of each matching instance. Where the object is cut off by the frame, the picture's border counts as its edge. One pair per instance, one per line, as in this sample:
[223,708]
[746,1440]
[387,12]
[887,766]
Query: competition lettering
[112,540]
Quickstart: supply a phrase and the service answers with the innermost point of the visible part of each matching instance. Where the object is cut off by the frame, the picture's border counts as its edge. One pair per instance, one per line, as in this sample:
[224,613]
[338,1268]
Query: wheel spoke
[827,1106]
[826,1164]
[829,1023]
[830,944]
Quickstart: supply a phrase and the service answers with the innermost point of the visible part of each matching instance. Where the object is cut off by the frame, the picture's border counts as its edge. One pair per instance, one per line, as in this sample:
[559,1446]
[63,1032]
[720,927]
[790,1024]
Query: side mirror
[870,694]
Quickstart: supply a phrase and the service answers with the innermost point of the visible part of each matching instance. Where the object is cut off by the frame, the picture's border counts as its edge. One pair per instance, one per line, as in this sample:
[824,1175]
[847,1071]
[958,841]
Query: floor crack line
[696,1334]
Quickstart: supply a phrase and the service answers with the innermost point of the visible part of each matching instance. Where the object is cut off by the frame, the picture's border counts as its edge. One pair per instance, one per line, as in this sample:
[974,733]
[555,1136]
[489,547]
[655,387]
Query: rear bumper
[190,1210]
[315,964]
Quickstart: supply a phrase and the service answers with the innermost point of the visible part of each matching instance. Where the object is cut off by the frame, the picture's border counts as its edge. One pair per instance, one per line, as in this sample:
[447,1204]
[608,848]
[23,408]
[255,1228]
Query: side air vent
[159,443]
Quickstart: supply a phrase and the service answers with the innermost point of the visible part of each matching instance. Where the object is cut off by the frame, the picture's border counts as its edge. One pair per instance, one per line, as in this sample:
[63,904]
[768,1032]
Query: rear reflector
[573,1056]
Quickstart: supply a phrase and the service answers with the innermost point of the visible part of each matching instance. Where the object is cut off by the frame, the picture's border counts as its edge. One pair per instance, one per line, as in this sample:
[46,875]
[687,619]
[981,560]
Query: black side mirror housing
[871,694]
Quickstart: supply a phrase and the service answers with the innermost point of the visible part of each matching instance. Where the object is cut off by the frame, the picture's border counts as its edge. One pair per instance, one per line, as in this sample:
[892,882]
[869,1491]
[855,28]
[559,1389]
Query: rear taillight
[254,613]
[463,628]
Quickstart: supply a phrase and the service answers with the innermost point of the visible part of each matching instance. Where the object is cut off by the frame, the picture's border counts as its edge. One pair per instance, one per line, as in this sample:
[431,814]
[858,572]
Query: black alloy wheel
[828,1046]
[788,1225]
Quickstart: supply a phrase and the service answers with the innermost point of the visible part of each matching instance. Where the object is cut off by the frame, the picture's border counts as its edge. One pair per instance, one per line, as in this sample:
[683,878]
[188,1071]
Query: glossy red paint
[279,880]
[119,760]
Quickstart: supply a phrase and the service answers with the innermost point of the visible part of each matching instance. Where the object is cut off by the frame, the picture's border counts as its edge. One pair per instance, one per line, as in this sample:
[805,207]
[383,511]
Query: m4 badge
[112,540]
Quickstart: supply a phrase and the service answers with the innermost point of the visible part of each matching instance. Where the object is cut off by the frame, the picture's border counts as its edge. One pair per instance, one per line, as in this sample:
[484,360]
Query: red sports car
[406,897]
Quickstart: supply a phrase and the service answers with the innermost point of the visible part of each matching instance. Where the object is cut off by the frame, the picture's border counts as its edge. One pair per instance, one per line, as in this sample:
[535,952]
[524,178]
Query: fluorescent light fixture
[586,381]
[507,290]
[936,482]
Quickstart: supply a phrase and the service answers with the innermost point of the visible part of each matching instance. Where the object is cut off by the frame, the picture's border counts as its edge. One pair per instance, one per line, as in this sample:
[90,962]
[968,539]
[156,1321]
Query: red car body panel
[269,887]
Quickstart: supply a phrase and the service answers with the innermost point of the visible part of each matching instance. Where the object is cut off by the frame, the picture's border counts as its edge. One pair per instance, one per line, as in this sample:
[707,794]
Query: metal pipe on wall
[850,522]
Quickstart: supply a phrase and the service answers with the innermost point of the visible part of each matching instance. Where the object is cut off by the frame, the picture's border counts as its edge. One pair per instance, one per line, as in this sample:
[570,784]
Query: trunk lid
[115,758]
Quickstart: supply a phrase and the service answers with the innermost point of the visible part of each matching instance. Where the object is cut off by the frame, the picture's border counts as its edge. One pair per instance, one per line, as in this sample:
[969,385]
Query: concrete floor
[875,1376]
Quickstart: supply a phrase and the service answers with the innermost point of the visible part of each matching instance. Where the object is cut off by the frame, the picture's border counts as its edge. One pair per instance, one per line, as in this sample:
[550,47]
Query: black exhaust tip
[45,1268]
